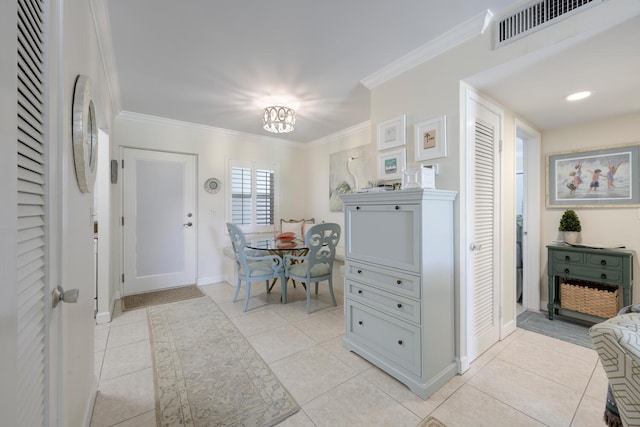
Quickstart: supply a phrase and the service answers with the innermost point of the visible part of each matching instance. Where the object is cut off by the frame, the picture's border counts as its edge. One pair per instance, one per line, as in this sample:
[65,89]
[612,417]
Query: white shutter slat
[32,390]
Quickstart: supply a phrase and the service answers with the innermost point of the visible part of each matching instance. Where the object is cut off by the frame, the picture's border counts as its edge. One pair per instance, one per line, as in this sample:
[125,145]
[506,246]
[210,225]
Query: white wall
[606,226]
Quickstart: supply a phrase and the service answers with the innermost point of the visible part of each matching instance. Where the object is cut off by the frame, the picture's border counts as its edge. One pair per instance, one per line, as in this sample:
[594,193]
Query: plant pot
[572,237]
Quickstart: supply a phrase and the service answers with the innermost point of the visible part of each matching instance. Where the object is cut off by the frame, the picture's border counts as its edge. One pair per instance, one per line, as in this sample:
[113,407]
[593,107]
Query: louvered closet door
[32,286]
[483,287]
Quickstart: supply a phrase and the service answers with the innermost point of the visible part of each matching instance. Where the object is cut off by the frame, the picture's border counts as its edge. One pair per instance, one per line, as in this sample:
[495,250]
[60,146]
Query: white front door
[159,231]
[482,277]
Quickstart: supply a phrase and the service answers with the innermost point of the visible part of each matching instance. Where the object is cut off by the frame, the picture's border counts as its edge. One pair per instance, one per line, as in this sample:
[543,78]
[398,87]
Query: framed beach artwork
[391,164]
[431,139]
[392,133]
[594,178]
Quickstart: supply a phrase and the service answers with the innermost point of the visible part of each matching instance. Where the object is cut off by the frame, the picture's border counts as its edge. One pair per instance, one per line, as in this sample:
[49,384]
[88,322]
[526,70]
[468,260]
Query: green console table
[607,266]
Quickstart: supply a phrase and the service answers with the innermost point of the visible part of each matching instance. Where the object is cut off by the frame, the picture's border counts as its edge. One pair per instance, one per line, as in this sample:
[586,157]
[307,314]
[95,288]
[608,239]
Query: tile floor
[524,380]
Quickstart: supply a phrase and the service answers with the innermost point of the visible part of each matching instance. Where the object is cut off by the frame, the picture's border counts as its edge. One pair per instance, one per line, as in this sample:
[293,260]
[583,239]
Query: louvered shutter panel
[32,282]
[241,196]
[484,292]
[264,197]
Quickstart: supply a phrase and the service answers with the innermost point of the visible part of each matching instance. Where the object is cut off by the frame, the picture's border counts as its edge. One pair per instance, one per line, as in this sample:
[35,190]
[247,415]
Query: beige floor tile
[355,362]
[310,373]
[148,419]
[545,400]
[120,335]
[556,366]
[299,419]
[296,309]
[579,352]
[321,326]
[279,343]
[126,359]
[232,309]
[471,407]
[597,387]
[356,403]
[98,358]
[100,337]
[252,323]
[122,317]
[590,413]
[219,292]
[123,398]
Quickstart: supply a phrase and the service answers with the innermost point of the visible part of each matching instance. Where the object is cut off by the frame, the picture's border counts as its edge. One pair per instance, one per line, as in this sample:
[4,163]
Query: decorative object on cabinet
[420,177]
[570,226]
[573,265]
[317,265]
[431,139]
[594,178]
[341,180]
[212,185]
[391,164]
[392,133]
[399,288]
[84,135]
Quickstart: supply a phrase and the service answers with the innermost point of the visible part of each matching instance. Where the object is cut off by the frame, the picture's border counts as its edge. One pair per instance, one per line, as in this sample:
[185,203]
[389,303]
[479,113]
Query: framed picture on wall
[392,133]
[391,164]
[431,139]
[594,178]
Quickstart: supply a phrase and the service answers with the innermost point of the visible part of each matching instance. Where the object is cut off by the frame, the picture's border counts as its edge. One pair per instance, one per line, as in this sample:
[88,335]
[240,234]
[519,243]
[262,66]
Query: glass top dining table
[278,247]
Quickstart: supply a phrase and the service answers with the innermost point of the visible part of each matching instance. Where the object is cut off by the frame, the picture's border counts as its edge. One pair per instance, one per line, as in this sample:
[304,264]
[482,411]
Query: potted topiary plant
[570,226]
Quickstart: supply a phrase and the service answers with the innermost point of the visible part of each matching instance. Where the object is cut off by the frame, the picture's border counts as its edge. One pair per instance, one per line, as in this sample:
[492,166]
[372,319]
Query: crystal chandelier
[279,119]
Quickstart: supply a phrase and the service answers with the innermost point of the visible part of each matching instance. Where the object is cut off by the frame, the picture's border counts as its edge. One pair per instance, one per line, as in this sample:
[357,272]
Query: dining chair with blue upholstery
[254,268]
[317,265]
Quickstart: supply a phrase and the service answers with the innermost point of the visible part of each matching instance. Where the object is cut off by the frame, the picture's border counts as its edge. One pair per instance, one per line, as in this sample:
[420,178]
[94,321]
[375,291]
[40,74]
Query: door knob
[59,294]
[188,224]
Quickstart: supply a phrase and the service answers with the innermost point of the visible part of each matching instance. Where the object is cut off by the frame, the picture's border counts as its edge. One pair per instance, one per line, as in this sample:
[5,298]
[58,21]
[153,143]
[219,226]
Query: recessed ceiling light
[578,96]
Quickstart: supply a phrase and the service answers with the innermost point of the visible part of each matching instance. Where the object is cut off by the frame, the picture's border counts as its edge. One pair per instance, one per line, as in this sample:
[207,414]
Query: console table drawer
[396,341]
[608,261]
[388,280]
[603,275]
[392,304]
[568,257]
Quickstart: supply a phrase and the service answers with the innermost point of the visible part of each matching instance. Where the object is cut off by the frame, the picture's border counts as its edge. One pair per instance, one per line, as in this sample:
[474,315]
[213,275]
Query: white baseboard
[104,317]
[463,364]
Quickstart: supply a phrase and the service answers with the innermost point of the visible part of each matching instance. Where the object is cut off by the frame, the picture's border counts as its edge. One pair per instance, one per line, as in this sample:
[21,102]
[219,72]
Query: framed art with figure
[594,178]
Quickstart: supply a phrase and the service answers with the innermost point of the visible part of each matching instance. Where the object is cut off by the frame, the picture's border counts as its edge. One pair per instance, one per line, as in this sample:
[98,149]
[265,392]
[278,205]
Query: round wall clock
[212,185]
[84,135]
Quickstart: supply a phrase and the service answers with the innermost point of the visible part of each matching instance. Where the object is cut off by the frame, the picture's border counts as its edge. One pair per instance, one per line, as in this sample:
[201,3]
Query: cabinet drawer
[388,280]
[568,257]
[395,341]
[601,275]
[390,303]
[608,261]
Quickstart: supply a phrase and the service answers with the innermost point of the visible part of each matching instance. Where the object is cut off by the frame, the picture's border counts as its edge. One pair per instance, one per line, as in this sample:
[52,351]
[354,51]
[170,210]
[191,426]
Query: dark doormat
[575,332]
[164,296]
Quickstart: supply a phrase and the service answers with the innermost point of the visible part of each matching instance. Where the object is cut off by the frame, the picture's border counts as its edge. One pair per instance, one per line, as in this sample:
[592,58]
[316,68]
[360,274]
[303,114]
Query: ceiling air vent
[535,16]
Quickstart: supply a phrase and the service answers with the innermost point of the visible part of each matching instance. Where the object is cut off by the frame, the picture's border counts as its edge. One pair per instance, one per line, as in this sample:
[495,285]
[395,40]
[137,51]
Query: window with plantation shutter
[32,361]
[253,197]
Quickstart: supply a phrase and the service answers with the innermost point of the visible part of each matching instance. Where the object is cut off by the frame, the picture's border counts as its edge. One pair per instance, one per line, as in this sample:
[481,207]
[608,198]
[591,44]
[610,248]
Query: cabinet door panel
[393,243]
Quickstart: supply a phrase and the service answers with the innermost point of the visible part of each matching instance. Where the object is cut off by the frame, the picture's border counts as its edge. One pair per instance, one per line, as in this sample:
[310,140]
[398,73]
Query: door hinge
[122,162]
[122,277]
[122,220]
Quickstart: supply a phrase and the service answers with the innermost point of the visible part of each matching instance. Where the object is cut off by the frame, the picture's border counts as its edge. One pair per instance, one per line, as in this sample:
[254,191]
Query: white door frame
[531,215]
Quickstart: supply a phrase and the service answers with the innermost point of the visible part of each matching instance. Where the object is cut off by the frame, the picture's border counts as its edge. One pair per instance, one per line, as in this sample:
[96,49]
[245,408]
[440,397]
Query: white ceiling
[219,63]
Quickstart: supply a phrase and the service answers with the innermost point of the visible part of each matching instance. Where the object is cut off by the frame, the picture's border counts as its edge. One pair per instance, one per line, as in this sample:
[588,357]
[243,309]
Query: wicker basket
[591,298]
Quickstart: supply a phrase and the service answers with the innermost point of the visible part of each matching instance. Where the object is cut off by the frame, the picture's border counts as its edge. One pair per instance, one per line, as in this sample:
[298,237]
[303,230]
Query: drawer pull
[603,276]
[567,258]
[359,291]
[397,207]
[360,322]
[603,262]
[399,342]
[399,305]
[398,282]
[566,271]
[359,271]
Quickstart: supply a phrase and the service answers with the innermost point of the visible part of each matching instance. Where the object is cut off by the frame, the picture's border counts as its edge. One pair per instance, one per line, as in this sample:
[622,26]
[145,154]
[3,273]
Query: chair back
[238,242]
[322,239]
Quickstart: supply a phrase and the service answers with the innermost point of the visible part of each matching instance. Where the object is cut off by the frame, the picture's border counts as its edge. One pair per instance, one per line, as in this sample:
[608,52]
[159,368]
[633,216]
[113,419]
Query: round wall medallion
[212,185]
[84,135]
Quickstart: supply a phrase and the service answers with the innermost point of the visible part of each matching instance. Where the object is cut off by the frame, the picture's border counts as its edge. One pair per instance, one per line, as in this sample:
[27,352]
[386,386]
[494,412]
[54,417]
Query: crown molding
[452,38]
[102,27]
[155,120]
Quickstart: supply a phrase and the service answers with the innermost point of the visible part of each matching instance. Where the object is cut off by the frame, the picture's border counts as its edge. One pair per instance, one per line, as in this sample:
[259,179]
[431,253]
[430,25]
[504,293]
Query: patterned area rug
[575,332]
[207,374]
[164,296]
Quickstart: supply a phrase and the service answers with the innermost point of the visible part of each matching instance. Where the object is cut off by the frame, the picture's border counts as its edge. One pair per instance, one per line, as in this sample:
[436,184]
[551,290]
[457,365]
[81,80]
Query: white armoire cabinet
[399,296]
